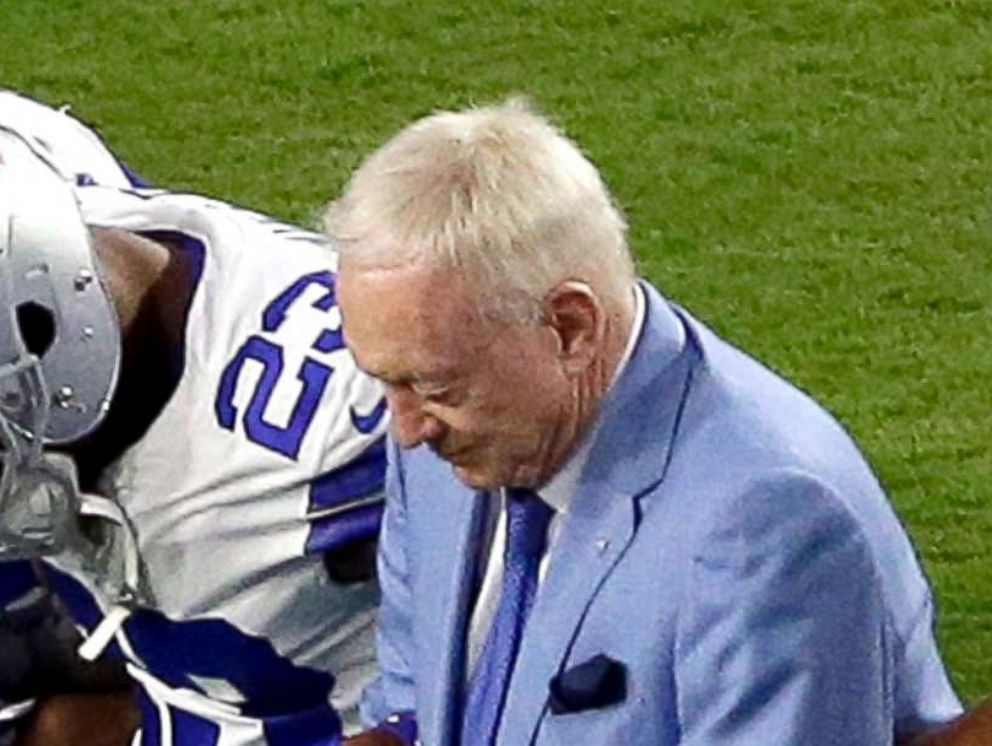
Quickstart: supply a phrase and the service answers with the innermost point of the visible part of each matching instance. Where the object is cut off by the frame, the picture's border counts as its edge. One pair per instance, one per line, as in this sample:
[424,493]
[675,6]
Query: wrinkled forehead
[410,320]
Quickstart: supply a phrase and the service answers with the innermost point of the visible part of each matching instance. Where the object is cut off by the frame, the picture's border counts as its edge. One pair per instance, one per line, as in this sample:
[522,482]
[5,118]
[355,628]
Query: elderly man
[604,525]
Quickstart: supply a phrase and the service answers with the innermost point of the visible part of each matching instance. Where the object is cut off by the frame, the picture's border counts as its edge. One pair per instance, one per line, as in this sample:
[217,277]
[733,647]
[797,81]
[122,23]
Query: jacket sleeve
[784,638]
[390,699]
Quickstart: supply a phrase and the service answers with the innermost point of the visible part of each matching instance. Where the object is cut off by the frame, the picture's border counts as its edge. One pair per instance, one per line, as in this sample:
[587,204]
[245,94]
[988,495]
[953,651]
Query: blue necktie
[527,518]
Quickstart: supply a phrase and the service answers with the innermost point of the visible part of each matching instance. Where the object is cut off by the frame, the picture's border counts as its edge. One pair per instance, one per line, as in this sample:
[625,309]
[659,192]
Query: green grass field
[811,178]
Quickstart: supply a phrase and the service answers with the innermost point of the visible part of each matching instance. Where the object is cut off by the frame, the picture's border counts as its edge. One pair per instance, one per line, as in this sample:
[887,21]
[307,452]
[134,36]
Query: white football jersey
[269,453]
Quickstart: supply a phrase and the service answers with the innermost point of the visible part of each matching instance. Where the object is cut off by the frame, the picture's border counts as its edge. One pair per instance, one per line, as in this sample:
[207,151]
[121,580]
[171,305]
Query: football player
[189,446]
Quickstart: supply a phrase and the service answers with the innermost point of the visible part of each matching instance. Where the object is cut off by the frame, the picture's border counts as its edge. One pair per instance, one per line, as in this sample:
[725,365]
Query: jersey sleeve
[73,148]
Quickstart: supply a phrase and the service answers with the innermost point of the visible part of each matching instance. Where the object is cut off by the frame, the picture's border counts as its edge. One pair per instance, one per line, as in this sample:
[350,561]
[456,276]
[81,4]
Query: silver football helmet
[60,354]
[56,315]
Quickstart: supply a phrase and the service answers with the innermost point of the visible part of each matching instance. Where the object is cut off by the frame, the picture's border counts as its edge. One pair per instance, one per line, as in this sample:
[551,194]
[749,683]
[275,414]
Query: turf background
[812,179]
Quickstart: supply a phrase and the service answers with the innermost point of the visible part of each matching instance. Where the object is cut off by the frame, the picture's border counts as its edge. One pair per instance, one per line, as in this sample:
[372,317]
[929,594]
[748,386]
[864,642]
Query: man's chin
[475,478]
[478,478]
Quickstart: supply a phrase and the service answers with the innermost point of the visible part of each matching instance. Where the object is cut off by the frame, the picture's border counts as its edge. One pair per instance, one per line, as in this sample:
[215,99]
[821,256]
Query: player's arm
[974,728]
[23,609]
[375,737]
[50,695]
[108,719]
[38,661]
[782,634]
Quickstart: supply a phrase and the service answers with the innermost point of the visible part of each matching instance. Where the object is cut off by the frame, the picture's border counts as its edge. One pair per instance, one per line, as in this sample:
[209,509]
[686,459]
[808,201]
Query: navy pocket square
[599,682]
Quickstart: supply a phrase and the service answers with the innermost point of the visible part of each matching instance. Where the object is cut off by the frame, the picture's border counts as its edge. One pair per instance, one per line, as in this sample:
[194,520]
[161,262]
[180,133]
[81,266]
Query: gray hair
[497,193]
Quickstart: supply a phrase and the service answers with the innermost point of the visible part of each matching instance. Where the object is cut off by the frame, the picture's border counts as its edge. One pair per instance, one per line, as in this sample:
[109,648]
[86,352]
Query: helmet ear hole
[37,327]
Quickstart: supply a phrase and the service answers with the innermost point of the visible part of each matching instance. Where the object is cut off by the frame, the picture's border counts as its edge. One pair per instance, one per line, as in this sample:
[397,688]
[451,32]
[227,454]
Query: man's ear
[577,318]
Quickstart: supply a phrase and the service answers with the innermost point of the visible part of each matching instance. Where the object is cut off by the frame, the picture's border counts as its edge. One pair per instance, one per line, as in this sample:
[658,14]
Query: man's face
[489,397]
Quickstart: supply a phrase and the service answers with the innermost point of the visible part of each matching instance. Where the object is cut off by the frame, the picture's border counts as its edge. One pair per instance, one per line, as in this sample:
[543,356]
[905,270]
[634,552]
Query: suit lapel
[593,537]
[630,453]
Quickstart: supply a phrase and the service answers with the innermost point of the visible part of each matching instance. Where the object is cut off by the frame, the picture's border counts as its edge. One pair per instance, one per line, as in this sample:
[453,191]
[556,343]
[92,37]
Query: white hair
[497,193]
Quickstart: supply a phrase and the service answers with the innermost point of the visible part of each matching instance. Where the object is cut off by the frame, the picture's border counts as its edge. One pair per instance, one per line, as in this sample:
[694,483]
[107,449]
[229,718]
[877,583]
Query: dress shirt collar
[560,489]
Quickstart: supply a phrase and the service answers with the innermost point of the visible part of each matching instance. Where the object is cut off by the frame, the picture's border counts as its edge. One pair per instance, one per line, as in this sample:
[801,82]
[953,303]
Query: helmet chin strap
[122,587]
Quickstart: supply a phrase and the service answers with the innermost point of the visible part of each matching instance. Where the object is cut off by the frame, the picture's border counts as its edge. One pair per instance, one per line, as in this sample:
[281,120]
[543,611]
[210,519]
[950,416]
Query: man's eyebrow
[415,378]
[395,378]
[388,372]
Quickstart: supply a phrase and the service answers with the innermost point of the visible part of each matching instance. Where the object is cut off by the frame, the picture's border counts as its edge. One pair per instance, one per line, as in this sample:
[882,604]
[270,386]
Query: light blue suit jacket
[728,547]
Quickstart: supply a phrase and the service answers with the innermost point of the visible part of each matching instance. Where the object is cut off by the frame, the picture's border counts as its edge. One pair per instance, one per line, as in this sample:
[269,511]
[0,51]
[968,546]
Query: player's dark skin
[150,285]
[974,728]
[374,738]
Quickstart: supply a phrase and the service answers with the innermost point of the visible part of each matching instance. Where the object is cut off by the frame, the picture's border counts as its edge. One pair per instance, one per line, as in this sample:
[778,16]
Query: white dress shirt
[558,493]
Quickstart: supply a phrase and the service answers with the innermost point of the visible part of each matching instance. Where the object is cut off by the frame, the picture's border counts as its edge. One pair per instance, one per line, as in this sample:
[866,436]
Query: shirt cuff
[403,725]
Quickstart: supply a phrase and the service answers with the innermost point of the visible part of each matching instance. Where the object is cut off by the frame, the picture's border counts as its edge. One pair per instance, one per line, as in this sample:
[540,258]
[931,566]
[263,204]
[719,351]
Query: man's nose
[410,423]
